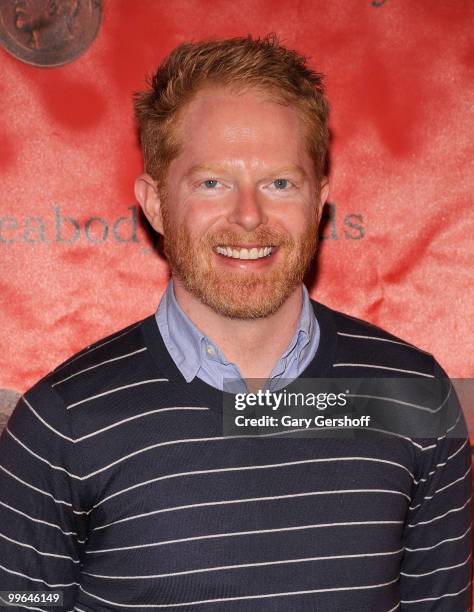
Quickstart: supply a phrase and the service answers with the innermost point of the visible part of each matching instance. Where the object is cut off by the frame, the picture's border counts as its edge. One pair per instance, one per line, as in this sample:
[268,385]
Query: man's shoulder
[114,360]
[106,347]
[361,343]
[112,363]
[349,325]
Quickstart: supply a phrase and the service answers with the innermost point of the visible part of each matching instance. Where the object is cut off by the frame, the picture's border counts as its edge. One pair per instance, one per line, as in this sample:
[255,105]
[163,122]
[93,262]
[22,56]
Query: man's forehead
[210,101]
[239,123]
[219,131]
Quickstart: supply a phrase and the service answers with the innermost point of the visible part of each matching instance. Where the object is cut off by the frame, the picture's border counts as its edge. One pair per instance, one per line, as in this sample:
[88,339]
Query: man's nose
[248,211]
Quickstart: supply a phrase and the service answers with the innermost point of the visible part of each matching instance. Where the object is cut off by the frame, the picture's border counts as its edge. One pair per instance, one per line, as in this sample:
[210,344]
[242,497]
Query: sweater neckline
[204,394]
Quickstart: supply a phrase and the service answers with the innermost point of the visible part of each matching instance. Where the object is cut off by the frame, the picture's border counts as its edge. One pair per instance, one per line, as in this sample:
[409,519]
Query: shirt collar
[189,347]
[182,338]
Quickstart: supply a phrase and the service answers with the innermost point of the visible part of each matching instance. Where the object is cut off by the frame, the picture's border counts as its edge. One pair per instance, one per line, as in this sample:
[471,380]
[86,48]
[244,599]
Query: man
[118,485]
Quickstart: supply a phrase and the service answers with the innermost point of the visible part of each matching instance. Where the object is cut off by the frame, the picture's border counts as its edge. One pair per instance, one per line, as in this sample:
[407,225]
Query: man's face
[242,204]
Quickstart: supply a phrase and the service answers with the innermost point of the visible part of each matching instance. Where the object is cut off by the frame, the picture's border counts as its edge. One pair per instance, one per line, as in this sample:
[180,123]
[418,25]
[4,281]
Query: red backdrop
[77,261]
[76,258]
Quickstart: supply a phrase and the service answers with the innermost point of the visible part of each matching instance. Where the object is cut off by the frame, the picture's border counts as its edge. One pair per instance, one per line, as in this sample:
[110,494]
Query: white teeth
[252,253]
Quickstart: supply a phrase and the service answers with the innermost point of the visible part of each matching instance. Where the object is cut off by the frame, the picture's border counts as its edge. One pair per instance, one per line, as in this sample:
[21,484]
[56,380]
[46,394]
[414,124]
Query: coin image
[48,32]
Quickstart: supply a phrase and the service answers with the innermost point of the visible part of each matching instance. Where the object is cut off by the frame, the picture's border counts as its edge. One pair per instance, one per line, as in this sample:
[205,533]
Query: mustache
[261,237]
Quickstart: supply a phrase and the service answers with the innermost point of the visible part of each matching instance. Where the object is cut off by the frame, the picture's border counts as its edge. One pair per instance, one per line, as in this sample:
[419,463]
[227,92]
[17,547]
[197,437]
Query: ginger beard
[239,294]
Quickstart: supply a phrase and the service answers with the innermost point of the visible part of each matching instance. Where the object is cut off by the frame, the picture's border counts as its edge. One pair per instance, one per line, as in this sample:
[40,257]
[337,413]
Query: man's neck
[251,344]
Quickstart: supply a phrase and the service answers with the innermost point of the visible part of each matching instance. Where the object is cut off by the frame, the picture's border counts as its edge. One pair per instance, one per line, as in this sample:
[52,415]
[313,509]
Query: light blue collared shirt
[195,354]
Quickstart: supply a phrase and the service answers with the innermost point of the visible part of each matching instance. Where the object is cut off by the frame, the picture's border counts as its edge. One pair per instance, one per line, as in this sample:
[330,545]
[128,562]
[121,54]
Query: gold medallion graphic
[48,32]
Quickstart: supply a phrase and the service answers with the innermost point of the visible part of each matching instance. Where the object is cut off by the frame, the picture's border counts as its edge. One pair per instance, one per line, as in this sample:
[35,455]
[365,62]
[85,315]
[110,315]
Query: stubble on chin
[239,294]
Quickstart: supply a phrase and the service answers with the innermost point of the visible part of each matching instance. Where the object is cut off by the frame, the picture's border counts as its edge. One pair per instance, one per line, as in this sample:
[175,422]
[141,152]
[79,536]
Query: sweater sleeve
[42,527]
[436,566]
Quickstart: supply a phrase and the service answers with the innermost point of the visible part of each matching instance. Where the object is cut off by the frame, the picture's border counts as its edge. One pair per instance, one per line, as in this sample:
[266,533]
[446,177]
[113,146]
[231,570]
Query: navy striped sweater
[118,488]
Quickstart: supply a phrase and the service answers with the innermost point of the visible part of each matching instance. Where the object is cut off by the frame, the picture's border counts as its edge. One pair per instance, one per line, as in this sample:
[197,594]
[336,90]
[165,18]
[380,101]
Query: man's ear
[323,194]
[147,194]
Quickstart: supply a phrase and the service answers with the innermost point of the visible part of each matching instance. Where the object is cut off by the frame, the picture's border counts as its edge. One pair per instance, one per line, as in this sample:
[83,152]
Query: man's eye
[281,183]
[210,183]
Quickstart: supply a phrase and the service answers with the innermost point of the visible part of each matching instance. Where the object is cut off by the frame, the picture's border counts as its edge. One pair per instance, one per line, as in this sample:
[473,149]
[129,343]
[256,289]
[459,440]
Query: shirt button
[210,350]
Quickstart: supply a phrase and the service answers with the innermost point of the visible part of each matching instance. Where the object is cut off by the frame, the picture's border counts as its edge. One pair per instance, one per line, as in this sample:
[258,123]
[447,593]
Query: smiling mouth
[244,253]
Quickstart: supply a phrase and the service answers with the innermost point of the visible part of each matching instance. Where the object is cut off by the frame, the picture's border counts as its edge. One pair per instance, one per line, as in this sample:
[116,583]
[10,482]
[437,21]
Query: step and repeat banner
[77,258]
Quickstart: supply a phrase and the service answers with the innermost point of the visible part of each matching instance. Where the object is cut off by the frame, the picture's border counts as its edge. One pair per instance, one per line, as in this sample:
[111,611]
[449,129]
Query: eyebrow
[217,168]
[205,168]
[290,170]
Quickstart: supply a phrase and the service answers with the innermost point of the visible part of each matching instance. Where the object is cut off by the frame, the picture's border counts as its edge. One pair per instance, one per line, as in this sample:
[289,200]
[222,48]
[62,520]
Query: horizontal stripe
[457,419]
[36,520]
[361,337]
[45,423]
[402,403]
[116,390]
[180,441]
[243,597]
[397,435]
[318,429]
[42,459]
[412,601]
[442,464]
[438,569]
[214,439]
[238,533]
[95,348]
[380,367]
[141,416]
[268,498]
[456,539]
[246,565]
[440,516]
[116,424]
[40,552]
[97,365]
[20,605]
[80,439]
[458,450]
[30,486]
[249,468]
[52,586]
[438,465]
[441,489]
